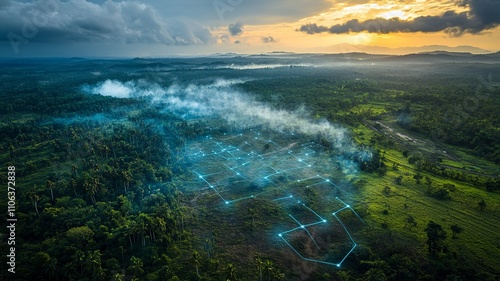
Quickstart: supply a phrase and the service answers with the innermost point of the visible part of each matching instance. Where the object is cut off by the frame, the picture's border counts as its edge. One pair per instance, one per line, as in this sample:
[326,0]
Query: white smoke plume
[221,99]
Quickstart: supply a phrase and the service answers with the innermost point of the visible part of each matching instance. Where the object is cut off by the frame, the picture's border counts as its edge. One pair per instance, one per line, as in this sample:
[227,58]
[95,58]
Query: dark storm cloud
[236,29]
[4,3]
[251,12]
[482,15]
[268,39]
[312,28]
[84,21]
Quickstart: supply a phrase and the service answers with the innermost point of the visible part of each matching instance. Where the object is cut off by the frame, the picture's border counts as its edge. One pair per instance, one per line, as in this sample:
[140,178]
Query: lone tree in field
[435,237]
[456,229]
[481,204]
[410,221]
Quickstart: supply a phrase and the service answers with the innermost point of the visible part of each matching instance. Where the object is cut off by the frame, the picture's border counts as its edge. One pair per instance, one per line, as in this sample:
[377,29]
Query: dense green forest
[103,191]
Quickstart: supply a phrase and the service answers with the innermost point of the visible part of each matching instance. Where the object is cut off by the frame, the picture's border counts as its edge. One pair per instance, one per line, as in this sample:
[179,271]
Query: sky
[161,28]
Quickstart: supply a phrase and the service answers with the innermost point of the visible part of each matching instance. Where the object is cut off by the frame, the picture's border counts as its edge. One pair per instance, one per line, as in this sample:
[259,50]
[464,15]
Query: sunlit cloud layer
[482,15]
[184,27]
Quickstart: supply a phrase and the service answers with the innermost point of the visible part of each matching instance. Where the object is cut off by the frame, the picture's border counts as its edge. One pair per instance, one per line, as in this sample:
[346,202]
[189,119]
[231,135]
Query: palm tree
[126,178]
[51,268]
[260,267]
[34,198]
[196,262]
[231,271]
[93,264]
[50,185]
[136,266]
[141,227]
[268,267]
[91,185]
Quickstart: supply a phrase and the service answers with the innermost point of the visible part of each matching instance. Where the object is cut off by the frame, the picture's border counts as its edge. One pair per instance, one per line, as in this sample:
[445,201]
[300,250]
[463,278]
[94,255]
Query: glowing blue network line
[307,259]
[231,160]
[305,228]
[347,206]
[322,219]
[283,198]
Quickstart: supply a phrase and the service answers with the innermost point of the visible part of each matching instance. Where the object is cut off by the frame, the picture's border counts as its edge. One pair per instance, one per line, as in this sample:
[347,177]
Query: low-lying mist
[220,98]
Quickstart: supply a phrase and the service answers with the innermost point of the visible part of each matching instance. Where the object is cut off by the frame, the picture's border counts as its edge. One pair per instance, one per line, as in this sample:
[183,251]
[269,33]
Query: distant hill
[348,48]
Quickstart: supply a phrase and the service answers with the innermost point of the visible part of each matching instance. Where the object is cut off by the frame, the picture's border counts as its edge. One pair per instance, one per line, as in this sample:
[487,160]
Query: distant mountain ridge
[349,48]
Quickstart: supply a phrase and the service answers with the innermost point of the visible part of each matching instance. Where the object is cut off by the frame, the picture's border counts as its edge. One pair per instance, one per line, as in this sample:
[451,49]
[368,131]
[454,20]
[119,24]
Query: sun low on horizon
[194,27]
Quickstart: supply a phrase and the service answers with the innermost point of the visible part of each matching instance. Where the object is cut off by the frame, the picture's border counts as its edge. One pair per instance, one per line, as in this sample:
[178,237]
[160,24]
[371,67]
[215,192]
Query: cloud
[85,21]
[268,39]
[251,12]
[225,39]
[312,28]
[482,15]
[236,29]
[117,89]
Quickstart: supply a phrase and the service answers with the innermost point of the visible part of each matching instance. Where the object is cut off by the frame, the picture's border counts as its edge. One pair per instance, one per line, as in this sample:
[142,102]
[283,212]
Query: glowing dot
[200,177]
[291,196]
[348,206]
[279,235]
[307,154]
[324,220]
[328,180]
[309,165]
[238,174]
[227,202]
[335,214]
[212,186]
[338,265]
[252,196]
[302,226]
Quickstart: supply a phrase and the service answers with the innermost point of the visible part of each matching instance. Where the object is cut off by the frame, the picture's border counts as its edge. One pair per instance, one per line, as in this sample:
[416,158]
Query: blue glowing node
[200,177]
[302,226]
[348,206]
[338,265]
[279,235]
[324,220]
[309,165]
[227,202]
